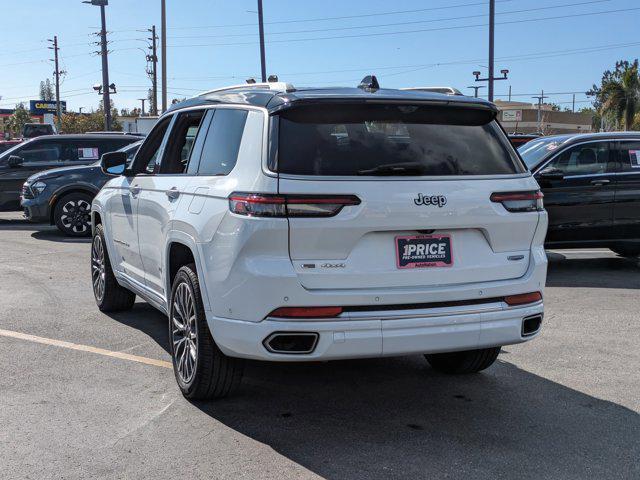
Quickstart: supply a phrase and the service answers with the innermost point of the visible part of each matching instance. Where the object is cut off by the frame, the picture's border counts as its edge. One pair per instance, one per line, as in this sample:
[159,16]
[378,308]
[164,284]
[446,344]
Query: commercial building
[523,117]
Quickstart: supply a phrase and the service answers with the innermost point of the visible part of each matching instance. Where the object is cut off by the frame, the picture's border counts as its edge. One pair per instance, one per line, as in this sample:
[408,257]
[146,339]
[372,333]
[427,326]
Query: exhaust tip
[292,343]
[531,325]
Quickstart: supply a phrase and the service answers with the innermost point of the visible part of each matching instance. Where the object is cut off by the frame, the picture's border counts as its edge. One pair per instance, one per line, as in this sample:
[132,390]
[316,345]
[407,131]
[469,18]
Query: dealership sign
[40,107]
[512,115]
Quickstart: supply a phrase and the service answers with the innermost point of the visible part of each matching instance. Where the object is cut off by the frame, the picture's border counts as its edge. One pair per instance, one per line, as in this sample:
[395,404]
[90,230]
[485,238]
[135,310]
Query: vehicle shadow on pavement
[55,235]
[397,418]
[604,272]
[148,320]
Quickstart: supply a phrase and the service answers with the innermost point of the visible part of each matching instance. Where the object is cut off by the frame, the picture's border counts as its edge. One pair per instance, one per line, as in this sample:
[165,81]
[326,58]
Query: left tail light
[269,205]
[519,201]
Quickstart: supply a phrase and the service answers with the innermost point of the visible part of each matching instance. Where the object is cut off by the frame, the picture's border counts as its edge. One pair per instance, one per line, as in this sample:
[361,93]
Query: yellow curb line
[85,348]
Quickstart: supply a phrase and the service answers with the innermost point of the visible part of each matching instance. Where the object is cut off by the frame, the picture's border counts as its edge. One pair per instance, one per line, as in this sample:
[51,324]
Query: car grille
[26,191]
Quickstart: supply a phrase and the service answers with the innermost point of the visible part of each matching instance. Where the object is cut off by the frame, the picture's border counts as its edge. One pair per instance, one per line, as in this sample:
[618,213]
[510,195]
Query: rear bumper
[441,330]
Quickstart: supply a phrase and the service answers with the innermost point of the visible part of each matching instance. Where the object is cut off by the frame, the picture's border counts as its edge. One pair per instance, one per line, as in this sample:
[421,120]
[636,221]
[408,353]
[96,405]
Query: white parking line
[85,348]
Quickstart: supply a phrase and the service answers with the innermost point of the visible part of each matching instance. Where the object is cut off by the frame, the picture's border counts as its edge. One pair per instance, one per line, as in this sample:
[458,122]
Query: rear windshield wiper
[394,169]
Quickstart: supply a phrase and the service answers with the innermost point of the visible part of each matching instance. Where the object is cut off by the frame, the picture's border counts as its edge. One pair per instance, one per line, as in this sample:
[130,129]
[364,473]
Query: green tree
[618,97]
[16,122]
[46,90]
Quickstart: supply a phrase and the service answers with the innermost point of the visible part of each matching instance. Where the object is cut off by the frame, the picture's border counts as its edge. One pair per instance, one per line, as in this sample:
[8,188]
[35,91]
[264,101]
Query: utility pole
[142,100]
[540,98]
[509,92]
[106,101]
[57,72]
[153,58]
[573,107]
[163,50]
[491,78]
[492,19]
[263,66]
[475,90]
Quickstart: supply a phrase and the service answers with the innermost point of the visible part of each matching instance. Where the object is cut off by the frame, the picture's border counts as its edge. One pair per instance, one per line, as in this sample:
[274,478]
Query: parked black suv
[63,196]
[591,186]
[50,151]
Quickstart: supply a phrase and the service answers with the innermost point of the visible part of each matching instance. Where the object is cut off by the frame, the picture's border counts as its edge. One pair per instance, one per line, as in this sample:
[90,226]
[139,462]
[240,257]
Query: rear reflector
[306,312]
[269,205]
[523,298]
[519,201]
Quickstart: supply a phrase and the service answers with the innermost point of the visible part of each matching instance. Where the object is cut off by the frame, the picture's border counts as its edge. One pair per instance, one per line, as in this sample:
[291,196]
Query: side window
[41,152]
[587,159]
[629,156]
[180,144]
[220,149]
[146,161]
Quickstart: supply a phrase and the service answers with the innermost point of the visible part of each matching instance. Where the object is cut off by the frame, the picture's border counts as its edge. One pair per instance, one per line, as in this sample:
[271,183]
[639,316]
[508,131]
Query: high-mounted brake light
[269,205]
[523,298]
[306,312]
[530,201]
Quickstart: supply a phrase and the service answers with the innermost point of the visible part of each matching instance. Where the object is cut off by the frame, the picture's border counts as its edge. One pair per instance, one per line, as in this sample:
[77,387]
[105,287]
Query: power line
[344,17]
[403,32]
[359,27]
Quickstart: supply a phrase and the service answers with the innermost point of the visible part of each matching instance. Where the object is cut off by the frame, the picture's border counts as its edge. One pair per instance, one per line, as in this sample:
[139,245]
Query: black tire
[627,250]
[111,297]
[469,361]
[72,214]
[213,374]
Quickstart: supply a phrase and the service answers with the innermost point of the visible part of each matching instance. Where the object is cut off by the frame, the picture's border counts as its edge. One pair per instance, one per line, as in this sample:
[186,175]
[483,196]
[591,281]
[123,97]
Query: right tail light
[530,201]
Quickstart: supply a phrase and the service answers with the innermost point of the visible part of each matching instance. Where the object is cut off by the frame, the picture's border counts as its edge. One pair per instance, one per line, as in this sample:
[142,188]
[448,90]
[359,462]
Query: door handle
[172,193]
[134,190]
[600,182]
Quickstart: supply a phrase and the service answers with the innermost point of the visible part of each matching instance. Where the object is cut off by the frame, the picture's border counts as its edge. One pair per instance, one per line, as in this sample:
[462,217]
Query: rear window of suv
[392,140]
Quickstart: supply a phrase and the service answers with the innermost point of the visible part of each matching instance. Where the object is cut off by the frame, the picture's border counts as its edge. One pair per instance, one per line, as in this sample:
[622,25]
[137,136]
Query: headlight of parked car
[38,187]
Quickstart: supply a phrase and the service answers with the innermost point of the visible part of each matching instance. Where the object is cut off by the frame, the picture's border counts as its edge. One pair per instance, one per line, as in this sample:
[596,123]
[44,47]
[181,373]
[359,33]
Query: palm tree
[621,96]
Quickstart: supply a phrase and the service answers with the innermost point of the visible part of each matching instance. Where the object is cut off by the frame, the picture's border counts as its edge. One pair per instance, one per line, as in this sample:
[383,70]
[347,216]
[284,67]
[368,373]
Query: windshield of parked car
[393,140]
[535,151]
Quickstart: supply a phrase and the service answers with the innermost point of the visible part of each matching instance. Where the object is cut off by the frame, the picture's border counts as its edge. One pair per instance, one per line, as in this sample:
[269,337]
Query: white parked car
[290,225]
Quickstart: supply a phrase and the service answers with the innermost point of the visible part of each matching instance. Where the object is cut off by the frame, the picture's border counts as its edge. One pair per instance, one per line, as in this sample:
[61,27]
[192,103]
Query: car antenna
[369,83]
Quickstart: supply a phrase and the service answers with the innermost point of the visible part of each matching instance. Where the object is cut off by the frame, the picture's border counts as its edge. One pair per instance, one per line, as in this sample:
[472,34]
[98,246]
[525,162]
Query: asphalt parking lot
[105,404]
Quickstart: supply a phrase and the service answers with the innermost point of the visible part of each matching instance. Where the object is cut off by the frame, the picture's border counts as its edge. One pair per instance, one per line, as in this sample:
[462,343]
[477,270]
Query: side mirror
[15,161]
[114,163]
[550,173]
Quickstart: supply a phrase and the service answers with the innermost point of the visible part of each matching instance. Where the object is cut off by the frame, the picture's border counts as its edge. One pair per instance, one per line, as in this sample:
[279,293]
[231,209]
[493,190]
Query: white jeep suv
[300,225]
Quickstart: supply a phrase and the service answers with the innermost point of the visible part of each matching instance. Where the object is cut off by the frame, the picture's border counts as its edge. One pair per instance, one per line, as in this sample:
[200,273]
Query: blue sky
[405,43]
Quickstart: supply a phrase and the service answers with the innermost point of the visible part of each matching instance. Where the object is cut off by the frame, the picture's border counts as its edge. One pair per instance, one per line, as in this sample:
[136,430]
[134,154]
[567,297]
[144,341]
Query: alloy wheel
[98,273]
[184,333]
[76,216]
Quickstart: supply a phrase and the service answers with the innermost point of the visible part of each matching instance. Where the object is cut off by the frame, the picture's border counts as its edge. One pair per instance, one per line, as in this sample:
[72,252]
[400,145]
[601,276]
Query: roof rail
[445,90]
[275,86]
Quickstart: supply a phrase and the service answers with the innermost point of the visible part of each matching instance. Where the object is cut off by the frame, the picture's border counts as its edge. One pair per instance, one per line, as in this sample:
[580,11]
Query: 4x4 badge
[439,200]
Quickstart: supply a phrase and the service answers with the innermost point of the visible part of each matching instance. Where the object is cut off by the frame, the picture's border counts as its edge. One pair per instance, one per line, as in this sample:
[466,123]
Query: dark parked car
[33,130]
[63,196]
[591,186]
[519,139]
[50,151]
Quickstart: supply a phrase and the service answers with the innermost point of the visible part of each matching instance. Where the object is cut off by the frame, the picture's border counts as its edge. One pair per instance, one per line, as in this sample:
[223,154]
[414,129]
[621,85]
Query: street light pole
[475,90]
[263,67]
[163,52]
